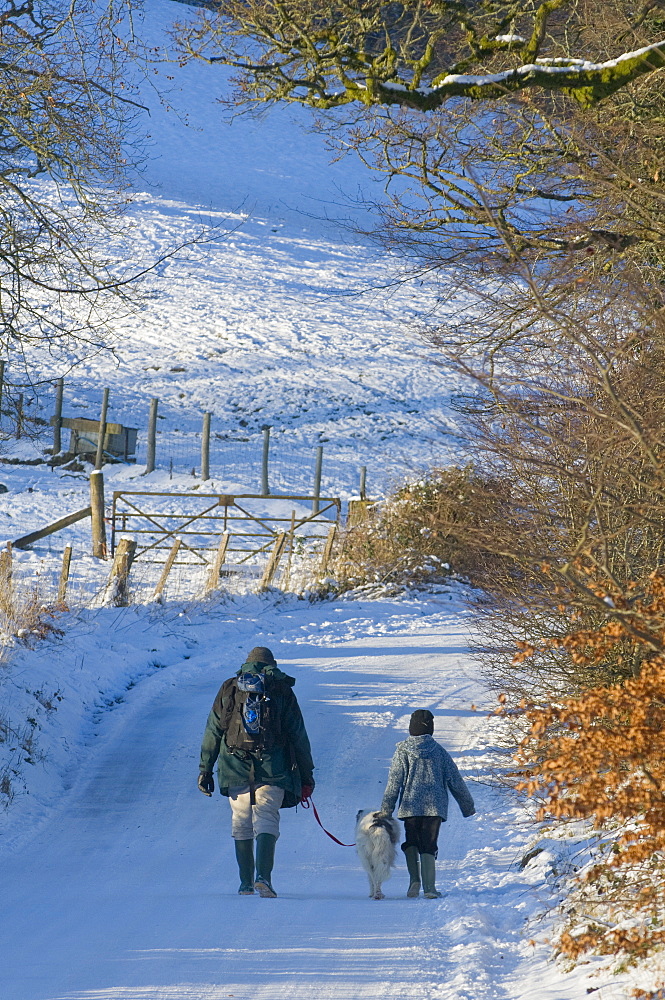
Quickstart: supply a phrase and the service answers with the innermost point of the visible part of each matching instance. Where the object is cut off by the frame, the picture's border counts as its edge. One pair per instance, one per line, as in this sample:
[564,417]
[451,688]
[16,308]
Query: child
[421,773]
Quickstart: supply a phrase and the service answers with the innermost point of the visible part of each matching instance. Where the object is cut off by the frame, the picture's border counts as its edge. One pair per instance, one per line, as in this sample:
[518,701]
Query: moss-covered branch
[414,54]
[586,82]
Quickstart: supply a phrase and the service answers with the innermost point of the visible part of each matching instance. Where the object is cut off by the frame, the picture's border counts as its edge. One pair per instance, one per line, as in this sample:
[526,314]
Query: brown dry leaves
[600,757]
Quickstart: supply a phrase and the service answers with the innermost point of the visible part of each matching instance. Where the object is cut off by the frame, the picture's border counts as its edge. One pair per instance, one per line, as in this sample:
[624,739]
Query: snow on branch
[586,81]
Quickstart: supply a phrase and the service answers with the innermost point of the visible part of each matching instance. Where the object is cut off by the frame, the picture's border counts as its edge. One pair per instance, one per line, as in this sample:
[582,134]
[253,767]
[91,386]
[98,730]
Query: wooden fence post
[213,577]
[6,578]
[2,386]
[64,573]
[167,569]
[205,447]
[317,479]
[363,482]
[97,514]
[57,418]
[273,562]
[62,522]
[291,536]
[99,456]
[152,437]
[19,416]
[265,488]
[358,512]
[117,588]
[327,550]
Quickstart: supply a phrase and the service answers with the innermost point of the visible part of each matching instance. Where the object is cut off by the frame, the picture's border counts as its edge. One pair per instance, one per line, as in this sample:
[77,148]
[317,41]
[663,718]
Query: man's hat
[261,654]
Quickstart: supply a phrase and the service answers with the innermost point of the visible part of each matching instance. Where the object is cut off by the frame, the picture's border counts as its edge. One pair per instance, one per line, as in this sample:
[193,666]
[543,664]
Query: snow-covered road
[127,889]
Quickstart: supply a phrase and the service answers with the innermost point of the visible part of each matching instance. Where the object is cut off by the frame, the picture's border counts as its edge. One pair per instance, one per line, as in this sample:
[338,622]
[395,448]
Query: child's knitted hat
[421,723]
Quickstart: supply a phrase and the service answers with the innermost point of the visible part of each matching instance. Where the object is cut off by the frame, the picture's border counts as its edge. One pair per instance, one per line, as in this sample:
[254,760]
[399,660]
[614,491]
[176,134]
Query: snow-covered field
[280,318]
[118,876]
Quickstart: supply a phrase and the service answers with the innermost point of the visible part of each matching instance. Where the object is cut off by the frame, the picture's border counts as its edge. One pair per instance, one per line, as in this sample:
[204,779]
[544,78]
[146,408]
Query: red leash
[306,803]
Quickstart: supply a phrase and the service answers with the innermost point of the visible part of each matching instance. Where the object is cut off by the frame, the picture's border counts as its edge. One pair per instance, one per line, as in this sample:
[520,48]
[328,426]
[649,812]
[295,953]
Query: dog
[376,844]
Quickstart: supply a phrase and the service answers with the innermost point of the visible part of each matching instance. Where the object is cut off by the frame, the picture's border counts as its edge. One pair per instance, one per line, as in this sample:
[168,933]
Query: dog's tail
[382,822]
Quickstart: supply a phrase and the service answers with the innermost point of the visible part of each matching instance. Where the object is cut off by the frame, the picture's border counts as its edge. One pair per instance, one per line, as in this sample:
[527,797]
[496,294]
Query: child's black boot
[413,867]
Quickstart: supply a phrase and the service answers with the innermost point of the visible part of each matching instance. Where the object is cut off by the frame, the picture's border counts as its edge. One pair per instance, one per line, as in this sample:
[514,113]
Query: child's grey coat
[421,773]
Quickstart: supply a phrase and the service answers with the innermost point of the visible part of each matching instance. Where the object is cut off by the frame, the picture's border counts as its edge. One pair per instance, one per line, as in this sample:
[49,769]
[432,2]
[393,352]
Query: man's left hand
[206,783]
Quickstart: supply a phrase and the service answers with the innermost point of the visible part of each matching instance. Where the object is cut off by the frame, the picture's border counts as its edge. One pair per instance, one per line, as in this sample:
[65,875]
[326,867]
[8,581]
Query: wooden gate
[252,524]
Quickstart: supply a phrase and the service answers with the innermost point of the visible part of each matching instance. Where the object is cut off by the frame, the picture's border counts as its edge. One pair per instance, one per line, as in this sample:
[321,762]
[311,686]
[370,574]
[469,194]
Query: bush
[421,534]
[601,758]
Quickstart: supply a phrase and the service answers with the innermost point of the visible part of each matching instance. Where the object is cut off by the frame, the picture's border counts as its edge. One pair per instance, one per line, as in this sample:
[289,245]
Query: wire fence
[179,552]
[62,426]
[291,466]
[20,415]
[234,457]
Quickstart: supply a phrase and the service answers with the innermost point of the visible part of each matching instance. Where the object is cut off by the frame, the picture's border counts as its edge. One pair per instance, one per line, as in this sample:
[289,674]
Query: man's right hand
[206,783]
[306,792]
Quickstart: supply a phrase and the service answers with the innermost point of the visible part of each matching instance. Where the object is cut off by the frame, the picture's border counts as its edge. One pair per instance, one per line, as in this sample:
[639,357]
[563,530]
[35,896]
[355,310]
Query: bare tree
[65,112]
[487,121]
[567,416]
[417,54]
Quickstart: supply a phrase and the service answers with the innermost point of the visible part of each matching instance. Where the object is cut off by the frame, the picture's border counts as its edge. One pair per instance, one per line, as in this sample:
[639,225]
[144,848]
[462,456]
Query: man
[255,732]
[421,775]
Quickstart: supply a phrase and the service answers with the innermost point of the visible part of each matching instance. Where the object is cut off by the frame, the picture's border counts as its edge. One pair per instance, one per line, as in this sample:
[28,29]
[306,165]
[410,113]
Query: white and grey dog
[376,844]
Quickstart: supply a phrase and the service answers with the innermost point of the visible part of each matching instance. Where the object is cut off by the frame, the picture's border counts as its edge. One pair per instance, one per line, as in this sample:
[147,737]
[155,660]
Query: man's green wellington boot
[428,870]
[413,867]
[265,858]
[245,859]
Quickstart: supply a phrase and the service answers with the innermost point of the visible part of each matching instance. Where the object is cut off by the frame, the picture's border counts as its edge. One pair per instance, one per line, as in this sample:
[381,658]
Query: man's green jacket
[289,766]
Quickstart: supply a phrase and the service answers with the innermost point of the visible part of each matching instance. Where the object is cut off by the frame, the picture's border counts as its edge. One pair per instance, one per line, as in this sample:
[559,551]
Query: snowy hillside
[280,318]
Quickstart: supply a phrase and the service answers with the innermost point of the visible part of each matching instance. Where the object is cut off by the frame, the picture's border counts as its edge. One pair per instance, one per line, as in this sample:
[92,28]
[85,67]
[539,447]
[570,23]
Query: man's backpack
[250,724]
